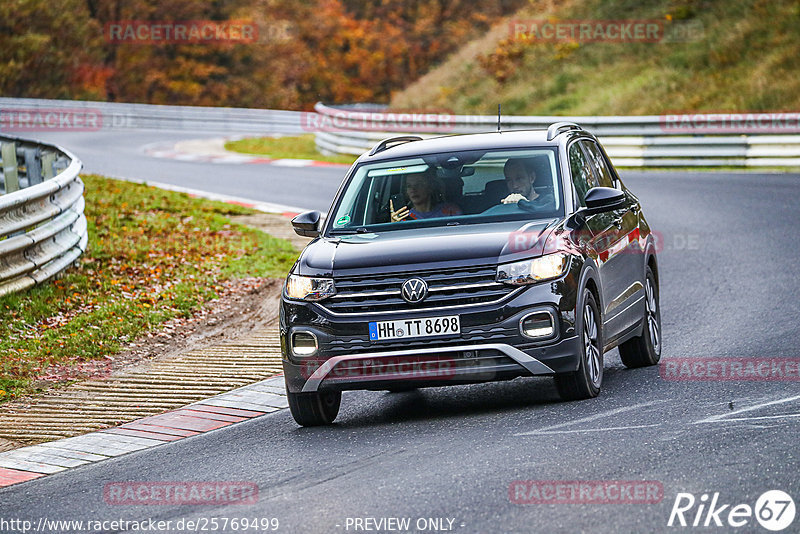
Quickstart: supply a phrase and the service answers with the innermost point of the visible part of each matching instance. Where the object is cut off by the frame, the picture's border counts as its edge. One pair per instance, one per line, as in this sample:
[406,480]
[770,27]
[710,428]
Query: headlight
[532,271]
[308,288]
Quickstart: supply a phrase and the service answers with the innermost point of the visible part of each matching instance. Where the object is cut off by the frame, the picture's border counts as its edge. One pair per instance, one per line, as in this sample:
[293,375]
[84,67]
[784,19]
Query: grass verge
[153,256]
[297,147]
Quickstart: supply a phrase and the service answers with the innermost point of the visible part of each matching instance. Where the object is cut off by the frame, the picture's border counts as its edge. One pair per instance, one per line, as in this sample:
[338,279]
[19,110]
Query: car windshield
[450,188]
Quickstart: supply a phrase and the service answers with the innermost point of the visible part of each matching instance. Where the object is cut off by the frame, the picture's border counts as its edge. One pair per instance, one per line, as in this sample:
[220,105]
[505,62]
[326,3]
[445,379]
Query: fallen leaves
[144,270]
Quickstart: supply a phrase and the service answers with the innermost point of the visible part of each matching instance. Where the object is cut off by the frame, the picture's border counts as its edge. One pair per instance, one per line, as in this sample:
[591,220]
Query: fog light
[304,343]
[538,325]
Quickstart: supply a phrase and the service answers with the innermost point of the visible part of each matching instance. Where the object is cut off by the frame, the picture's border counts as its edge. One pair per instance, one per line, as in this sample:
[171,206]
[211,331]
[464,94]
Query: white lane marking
[728,415]
[579,430]
[755,418]
[293,162]
[590,418]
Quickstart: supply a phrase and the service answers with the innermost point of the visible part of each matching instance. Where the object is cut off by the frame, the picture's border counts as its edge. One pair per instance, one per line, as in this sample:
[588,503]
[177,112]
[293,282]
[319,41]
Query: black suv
[470,258]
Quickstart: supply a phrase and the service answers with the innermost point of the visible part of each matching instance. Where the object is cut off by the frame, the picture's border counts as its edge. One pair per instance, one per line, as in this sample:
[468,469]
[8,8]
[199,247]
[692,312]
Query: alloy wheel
[591,348]
[652,316]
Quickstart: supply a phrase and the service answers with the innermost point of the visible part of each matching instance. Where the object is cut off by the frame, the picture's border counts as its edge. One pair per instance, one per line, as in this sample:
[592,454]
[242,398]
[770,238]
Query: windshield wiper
[359,230]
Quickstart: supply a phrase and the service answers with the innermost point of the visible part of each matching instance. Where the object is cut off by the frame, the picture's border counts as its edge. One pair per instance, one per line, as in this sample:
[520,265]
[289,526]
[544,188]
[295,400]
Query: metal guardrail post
[33,165]
[8,153]
[48,165]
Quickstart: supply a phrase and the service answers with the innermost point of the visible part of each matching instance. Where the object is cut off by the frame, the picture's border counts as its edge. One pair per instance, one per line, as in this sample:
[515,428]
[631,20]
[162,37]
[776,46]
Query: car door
[599,233]
[626,308]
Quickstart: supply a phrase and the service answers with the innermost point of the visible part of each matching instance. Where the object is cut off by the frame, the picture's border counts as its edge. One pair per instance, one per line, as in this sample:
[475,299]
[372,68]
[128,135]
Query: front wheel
[586,381]
[314,409]
[645,350]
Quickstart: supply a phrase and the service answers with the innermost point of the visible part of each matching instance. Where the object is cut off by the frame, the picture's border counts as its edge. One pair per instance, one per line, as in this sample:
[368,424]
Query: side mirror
[307,224]
[600,199]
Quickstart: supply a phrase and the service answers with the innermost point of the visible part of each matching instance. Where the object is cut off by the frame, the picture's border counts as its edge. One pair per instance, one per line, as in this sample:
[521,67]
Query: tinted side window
[582,177]
[599,163]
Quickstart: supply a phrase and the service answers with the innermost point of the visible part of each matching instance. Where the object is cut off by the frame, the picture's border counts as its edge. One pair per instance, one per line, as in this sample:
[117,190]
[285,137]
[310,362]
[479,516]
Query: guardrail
[42,225]
[696,140]
[27,114]
[689,140]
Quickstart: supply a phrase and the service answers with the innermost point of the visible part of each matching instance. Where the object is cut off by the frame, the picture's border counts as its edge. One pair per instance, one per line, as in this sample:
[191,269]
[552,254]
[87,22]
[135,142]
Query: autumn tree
[45,54]
[335,51]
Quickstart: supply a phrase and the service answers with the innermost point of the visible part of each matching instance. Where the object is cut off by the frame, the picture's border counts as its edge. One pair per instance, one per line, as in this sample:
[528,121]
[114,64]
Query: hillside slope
[744,55]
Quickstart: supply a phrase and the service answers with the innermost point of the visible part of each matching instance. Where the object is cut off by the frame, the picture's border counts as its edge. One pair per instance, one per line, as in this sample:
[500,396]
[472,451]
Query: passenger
[520,179]
[426,194]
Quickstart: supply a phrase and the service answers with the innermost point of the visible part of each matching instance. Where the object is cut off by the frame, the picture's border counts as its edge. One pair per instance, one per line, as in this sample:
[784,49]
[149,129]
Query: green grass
[153,256]
[747,58]
[298,147]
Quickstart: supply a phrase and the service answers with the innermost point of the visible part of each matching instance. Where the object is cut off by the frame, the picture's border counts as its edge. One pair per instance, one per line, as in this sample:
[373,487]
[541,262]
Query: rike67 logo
[774,510]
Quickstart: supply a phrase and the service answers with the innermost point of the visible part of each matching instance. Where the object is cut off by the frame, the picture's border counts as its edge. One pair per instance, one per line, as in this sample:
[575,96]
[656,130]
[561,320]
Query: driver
[425,191]
[519,181]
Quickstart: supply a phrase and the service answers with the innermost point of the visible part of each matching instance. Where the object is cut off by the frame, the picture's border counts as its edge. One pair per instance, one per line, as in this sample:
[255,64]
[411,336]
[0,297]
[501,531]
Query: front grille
[446,288]
[344,345]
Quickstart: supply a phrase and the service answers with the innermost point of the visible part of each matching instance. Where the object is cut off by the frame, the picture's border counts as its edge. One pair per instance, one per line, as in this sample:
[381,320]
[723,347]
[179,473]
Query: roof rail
[556,128]
[383,145]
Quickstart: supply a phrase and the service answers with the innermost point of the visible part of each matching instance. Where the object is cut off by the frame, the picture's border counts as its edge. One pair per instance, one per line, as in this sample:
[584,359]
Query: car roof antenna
[498,118]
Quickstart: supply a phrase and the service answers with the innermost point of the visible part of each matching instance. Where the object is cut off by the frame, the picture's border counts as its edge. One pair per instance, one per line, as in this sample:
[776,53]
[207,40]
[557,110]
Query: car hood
[442,247]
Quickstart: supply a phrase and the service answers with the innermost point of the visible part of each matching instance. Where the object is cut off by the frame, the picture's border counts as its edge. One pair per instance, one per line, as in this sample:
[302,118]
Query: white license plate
[408,328]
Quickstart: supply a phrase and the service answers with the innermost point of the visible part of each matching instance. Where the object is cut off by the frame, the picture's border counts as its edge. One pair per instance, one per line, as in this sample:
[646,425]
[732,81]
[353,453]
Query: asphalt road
[121,154]
[729,290]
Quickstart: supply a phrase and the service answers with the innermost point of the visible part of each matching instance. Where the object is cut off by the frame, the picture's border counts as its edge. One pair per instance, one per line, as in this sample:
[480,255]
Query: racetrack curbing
[135,401]
[219,411]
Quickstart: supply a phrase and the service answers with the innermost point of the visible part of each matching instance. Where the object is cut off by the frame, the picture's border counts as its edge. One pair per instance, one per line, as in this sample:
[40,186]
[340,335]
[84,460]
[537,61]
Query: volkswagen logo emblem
[414,290]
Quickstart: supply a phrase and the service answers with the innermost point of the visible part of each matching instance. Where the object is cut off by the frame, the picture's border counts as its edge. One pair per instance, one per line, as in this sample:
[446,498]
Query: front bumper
[490,346]
[432,366]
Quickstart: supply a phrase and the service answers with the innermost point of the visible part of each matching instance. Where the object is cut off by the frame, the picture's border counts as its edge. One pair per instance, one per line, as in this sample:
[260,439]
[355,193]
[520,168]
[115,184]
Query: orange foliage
[336,51]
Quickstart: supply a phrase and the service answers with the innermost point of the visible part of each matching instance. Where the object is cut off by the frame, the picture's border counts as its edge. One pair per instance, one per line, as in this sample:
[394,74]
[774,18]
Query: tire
[645,350]
[585,383]
[315,409]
